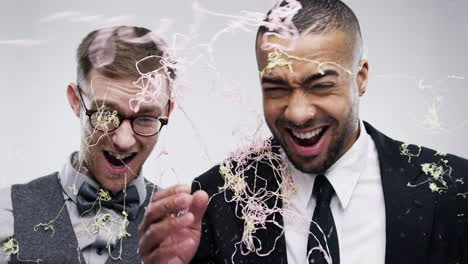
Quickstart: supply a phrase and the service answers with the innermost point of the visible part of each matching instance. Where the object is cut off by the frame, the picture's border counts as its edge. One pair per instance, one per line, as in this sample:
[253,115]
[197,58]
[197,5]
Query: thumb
[198,206]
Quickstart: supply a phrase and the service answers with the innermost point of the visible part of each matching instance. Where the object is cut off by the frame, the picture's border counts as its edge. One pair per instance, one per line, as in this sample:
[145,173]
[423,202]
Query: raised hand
[171,228]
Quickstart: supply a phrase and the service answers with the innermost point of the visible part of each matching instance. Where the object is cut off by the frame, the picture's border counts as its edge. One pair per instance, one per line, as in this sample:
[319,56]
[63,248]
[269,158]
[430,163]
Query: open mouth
[118,160]
[308,139]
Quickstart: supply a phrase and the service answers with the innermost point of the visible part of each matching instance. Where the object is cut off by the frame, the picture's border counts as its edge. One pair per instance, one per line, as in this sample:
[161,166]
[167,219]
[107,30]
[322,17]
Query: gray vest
[39,201]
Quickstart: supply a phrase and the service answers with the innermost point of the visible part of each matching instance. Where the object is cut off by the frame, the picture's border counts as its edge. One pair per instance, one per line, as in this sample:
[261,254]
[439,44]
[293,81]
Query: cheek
[147,144]
[85,129]
[89,137]
[343,98]
[271,111]
[274,106]
[335,107]
[353,89]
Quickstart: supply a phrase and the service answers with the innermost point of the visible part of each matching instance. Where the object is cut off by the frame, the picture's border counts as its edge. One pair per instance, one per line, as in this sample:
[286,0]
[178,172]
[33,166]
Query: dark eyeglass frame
[163,120]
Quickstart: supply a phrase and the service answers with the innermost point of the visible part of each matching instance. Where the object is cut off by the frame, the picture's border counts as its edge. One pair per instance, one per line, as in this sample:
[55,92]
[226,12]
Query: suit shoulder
[429,155]
[414,153]
[425,158]
[209,181]
[459,161]
[33,184]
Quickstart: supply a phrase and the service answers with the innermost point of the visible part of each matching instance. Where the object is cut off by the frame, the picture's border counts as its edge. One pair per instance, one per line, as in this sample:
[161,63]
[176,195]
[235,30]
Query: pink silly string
[251,201]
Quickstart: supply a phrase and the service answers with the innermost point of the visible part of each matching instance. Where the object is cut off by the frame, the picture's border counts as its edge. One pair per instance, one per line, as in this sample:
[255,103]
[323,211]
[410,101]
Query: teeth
[120,156]
[307,135]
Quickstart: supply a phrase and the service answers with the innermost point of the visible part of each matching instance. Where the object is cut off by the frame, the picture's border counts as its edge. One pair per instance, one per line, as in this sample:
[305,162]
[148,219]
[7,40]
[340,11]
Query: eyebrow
[308,79]
[155,110]
[143,109]
[317,76]
[99,104]
[273,80]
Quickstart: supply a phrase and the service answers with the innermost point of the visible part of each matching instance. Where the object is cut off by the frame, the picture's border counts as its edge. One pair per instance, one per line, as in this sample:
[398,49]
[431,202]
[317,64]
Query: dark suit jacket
[422,226]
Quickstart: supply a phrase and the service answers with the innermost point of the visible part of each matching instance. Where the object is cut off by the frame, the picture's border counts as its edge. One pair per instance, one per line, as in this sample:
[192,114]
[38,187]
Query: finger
[162,231]
[183,251]
[179,253]
[164,207]
[175,260]
[161,193]
[198,206]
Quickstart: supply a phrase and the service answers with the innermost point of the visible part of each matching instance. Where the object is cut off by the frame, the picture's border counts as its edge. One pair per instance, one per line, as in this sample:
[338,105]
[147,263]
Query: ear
[170,107]
[73,100]
[362,77]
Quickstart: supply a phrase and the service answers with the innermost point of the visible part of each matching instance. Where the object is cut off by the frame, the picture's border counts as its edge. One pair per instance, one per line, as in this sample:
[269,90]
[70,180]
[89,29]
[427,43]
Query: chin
[115,187]
[309,164]
[113,183]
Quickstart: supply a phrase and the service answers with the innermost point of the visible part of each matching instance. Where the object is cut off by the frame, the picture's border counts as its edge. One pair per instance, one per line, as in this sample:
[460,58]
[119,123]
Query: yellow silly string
[103,195]
[11,247]
[123,228]
[105,119]
[437,173]
[405,151]
[50,224]
[275,59]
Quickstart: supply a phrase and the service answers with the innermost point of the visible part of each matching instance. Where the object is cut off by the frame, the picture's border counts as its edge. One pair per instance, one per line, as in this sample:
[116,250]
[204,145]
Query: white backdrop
[417,88]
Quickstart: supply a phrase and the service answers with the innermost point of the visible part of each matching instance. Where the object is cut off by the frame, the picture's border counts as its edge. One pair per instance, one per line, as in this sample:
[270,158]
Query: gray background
[417,56]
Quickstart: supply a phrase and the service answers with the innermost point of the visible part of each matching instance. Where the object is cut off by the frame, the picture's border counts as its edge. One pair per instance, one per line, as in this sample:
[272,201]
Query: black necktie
[89,197]
[323,217]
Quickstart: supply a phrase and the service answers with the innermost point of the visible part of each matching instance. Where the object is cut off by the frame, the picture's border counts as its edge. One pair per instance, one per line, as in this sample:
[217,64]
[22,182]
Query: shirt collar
[343,174]
[71,180]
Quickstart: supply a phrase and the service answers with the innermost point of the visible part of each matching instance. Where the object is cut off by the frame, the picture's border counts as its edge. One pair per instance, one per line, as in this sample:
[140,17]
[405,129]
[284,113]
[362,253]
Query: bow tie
[89,198]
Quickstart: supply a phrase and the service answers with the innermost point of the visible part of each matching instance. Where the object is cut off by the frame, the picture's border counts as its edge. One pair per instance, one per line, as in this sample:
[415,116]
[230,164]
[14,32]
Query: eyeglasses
[107,121]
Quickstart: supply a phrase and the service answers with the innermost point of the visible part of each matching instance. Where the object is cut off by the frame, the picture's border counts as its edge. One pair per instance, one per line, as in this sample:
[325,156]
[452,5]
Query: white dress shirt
[358,207]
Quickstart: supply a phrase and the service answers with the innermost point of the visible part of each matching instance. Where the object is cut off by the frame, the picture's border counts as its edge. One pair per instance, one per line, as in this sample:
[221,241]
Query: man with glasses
[90,210]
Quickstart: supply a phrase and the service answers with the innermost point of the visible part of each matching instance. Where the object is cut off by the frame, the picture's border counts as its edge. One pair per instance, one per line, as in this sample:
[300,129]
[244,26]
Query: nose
[300,108]
[123,137]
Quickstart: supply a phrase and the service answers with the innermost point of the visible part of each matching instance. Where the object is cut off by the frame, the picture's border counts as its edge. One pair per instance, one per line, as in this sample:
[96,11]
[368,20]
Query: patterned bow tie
[89,198]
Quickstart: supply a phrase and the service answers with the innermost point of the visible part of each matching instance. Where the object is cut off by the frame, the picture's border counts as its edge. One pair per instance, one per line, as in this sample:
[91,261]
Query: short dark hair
[126,54]
[318,16]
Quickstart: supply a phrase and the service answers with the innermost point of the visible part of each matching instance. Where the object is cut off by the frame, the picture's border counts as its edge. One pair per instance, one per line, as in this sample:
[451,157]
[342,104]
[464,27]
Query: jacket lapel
[409,211]
[272,237]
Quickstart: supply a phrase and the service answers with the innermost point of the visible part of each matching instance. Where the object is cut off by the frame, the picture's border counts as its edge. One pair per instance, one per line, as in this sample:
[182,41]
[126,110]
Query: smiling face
[113,157]
[313,111]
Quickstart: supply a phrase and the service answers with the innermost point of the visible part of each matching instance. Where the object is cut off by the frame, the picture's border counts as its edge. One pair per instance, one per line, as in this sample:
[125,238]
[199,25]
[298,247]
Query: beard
[340,139]
[332,155]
